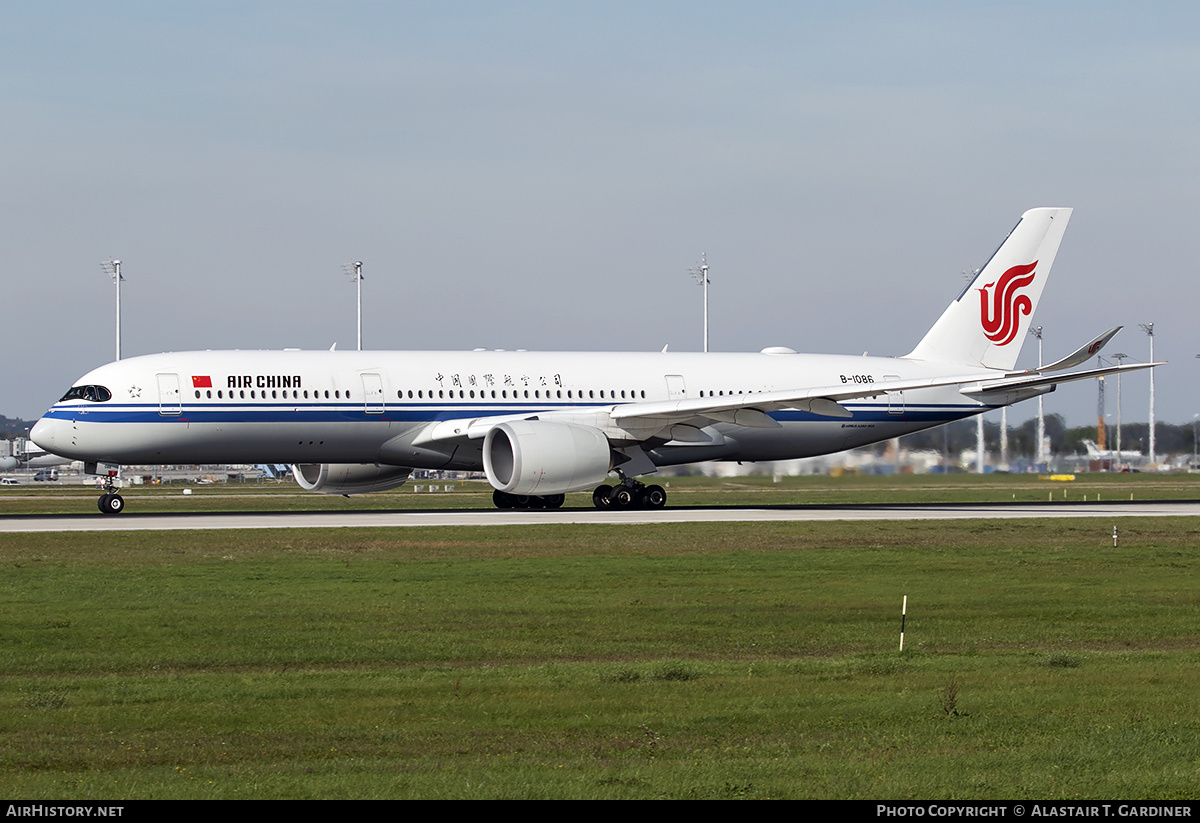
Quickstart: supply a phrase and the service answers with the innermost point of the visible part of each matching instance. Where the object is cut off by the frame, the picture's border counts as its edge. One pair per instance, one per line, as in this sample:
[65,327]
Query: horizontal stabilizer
[1084,352]
[1037,380]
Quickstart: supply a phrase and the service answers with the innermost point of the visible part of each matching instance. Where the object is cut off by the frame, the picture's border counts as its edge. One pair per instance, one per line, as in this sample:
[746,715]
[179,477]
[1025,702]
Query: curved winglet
[1084,352]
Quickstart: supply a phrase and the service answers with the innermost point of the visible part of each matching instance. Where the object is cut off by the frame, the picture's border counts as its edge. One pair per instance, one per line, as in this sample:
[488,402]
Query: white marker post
[903,615]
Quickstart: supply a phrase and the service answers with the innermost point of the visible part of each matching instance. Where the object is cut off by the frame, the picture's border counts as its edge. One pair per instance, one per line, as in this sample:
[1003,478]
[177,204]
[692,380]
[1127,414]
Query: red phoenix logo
[1001,320]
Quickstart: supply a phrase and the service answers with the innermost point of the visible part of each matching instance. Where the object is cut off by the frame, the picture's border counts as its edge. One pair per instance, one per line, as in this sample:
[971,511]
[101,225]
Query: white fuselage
[373,406]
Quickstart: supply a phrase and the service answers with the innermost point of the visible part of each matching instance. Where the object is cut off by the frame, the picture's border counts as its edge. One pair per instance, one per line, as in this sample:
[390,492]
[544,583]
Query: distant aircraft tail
[986,325]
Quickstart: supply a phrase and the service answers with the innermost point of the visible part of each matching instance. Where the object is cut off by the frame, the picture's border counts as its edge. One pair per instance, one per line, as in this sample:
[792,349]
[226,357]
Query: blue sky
[542,176]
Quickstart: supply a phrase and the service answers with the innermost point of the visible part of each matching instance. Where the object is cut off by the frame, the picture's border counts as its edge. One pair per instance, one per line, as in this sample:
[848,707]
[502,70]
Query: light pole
[1194,418]
[354,270]
[1148,328]
[1036,331]
[700,274]
[113,268]
[1119,356]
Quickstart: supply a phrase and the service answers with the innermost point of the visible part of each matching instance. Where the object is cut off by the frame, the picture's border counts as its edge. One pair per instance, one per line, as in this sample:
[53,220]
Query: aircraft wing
[821,400]
[682,419]
[640,421]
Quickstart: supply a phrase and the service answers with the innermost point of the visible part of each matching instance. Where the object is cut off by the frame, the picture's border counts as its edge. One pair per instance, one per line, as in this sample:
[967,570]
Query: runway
[511,517]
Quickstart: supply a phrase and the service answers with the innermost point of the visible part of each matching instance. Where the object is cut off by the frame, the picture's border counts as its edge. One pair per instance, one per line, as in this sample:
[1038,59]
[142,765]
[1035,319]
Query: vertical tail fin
[986,325]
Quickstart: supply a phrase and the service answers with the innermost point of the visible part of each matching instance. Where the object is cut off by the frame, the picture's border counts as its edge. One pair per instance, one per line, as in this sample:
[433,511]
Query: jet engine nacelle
[542,457]
[348,478]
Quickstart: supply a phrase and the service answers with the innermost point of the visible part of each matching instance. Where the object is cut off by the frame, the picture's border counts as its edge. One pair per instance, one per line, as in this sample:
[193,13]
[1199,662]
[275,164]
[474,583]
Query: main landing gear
[630,494]
[110,502]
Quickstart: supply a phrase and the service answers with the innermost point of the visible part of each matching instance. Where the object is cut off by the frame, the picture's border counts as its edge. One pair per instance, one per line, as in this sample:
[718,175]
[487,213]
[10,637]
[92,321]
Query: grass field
[682,491]
[672,661]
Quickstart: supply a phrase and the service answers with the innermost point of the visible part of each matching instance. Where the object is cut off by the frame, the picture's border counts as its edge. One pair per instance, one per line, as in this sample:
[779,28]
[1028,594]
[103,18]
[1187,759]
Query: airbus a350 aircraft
[541,424]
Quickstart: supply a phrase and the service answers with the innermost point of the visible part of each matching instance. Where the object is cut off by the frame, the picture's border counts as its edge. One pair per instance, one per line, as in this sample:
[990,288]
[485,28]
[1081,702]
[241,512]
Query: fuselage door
[169,401]
[675,387]
[372,393]
[895,398]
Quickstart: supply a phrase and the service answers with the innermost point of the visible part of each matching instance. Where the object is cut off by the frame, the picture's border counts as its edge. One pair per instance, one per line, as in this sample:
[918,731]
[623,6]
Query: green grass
[682,491]
[680,661]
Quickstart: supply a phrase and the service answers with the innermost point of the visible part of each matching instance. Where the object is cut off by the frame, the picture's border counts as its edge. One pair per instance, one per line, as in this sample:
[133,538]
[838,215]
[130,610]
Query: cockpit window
[94,394]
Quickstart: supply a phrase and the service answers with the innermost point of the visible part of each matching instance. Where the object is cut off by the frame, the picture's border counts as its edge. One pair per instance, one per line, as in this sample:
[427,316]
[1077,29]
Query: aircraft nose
[42,433]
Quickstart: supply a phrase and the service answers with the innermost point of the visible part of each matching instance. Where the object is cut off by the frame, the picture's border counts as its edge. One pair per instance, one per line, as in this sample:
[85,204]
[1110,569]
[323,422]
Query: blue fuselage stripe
[435,412]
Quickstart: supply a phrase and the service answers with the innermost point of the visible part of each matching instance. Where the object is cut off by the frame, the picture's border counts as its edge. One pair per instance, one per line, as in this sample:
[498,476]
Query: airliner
[1094,452]
[31,459]
[544,424]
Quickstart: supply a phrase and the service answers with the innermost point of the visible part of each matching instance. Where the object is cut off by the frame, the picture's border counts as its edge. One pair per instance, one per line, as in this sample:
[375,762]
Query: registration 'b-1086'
[543,424]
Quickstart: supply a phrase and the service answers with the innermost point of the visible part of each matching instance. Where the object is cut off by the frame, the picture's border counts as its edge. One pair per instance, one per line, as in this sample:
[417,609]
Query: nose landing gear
[110,502]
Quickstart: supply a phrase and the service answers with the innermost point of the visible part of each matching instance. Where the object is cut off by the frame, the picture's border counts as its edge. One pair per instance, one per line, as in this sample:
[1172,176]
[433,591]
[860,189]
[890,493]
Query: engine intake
[348,478]
[543,457]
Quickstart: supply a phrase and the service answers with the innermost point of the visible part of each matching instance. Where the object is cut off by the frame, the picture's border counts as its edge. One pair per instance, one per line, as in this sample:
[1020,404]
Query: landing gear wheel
[554,501]
[624,498]
[655,497]
[502,500]
[602,497]
[111,504]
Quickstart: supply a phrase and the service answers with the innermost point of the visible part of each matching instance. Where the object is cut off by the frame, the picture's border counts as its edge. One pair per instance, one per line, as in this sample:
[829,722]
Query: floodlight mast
[1148,328]
[113,269]
[700,274]
[1119,357]
[354,270]
[1040,453]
